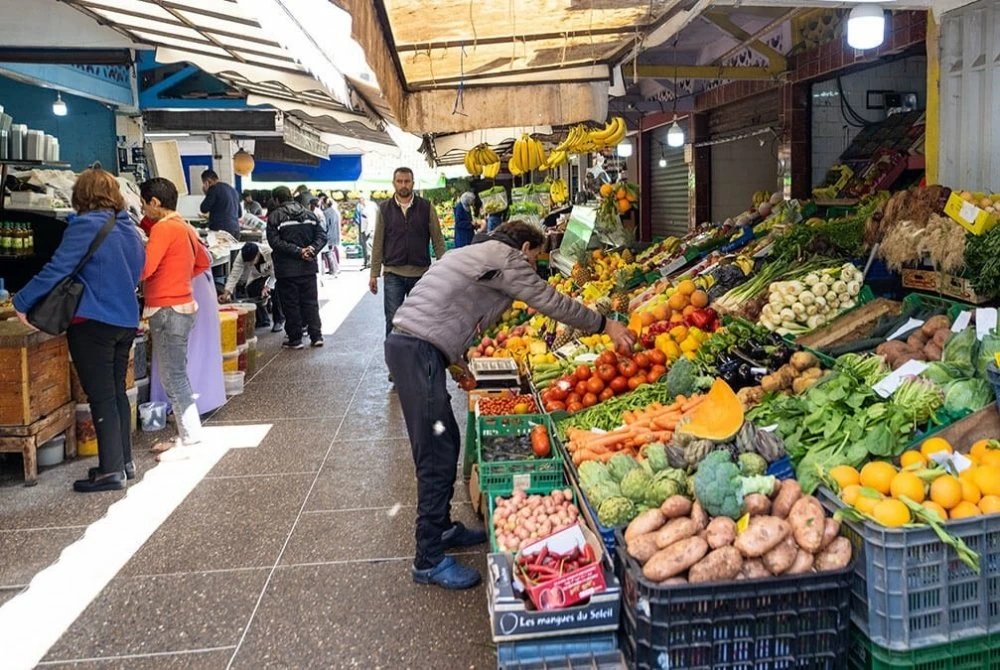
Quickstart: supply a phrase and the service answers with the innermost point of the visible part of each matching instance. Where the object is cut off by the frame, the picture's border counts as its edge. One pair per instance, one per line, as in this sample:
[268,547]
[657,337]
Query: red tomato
[619,385]
[606,394]
[642,360]
[655,373]
[558,393]
[580,389]
[556,406]
[595,385]
[636,382]
[606,372]
[589,400]
[607,358]
[573,399]
[583,373]
[574,407]
[628,368]
[657,356]
[566,382]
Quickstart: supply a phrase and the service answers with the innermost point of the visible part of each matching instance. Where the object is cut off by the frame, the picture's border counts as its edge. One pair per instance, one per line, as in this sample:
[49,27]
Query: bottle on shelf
[29,249]
[18,239]
[6,243]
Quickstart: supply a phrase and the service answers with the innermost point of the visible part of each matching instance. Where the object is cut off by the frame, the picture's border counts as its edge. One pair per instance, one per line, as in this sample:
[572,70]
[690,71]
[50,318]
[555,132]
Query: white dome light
[625,149]
[866,27]
[59,107]
[675,135]
[663,162]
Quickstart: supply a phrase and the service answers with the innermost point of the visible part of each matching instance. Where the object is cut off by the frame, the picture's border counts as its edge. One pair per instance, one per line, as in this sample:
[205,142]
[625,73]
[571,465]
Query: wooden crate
[76,388]
[26,439]
[34,374]
[856,324]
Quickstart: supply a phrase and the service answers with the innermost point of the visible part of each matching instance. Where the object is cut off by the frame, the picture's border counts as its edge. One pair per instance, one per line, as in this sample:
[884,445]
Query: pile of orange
[877,489]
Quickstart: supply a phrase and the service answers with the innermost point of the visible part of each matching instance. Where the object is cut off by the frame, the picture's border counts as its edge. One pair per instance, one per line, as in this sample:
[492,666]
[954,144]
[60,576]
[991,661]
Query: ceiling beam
[755,37]
[66,56]
[726,25]
[707,72]
[507,39]
[473,79]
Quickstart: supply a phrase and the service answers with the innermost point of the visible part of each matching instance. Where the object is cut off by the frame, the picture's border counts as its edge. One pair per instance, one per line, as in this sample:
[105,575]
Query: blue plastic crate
[607,660]
[516,654]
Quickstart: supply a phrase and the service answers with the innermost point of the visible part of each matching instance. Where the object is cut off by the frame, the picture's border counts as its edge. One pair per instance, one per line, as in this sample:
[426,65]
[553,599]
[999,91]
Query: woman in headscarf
[464,220]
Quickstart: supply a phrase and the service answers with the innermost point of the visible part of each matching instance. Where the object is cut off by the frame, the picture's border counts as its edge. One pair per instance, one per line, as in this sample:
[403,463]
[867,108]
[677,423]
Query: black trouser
[420,372]
[363,243]
[255,292]
[300,302]
[100,354]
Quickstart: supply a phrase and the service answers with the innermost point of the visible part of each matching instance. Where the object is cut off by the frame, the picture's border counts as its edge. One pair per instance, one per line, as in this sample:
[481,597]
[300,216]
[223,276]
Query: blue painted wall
[335,168]
[86,134]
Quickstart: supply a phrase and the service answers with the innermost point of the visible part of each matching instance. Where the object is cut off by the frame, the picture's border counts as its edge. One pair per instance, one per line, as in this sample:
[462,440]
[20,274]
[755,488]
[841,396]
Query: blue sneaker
[460,536]
[448,574]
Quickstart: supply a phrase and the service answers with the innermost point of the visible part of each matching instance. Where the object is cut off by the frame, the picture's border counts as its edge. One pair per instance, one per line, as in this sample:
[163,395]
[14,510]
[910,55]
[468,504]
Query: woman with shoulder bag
[103,329]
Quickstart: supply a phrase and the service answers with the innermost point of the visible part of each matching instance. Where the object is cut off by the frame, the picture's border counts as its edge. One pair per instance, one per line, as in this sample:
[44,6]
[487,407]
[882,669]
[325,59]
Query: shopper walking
[221,203]
[405,228]
[331,215]
[366,227]
[465,293]
[174,257]
[106,319]
[465,223]
[295,236]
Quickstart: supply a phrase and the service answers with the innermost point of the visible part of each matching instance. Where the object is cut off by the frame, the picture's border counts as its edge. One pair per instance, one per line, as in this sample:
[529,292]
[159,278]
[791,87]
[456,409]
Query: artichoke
[635,485]
[617,511]
[660,490]
[673,474]
[751,464]
[592,472]
[656,456]
[601,491]
[620,465]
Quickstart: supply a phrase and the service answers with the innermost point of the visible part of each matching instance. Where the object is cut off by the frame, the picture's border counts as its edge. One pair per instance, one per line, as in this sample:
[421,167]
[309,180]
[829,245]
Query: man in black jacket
[295,235]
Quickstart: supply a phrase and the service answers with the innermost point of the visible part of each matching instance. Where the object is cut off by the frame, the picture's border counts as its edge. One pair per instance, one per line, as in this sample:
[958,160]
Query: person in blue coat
[465,225]
[106,320]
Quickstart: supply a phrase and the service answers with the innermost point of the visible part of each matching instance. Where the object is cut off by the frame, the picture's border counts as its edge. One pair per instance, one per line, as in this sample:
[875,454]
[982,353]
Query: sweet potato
[673,581]
[675,559]
[830,532]
[720,565]
[753,568]
[933,352]
[721,532]
[941,337]
[934,325]
[699,515]
[892,348]
[647,522]
[789,492]
[763,534]
[675,507]
[756,504]
[643,547]
[803,563]
[781,558]
[675,531]
[808,521]
[834,557]
[916,340]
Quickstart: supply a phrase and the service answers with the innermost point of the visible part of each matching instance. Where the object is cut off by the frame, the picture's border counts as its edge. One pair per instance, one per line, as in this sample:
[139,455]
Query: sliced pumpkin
[719,418]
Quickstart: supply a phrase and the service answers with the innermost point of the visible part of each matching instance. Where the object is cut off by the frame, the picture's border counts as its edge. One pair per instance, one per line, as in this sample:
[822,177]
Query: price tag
[891,384]
[962,322]
[522,482]
[673,266]
[969,212]
[908,326]
[986,321]
[758,371]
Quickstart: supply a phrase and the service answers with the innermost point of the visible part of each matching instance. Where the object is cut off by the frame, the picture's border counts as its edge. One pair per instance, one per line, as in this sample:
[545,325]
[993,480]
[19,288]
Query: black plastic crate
[799,621]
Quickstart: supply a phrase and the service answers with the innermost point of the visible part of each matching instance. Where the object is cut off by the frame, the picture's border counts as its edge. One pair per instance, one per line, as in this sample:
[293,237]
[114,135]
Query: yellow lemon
[850,494]
[990,504]
[988,479]
[937,509]
[970,492]
[866,503]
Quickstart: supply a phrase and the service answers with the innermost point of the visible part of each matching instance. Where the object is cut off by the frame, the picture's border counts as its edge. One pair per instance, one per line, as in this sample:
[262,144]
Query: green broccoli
[617,511]
[752,464]
[635,485]
[620,465]
[682,378]
[601,491]
[656,455]
[592,472]
[720,488]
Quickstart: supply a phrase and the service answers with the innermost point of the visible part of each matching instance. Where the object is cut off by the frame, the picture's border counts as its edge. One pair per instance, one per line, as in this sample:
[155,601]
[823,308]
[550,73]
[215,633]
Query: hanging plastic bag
[494,200]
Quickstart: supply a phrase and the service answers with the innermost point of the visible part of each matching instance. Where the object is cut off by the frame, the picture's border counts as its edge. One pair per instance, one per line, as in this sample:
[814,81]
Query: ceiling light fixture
[866,27]
[59,107]
[663,161]
[625,149]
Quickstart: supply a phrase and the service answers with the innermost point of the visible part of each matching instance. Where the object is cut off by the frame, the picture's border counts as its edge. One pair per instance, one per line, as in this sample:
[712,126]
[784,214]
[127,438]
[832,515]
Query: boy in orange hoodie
[174,256]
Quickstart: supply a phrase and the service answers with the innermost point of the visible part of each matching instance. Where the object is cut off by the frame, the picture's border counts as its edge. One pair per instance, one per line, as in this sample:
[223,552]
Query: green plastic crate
[980,653]
[542,489]
[503,477]
[952,307]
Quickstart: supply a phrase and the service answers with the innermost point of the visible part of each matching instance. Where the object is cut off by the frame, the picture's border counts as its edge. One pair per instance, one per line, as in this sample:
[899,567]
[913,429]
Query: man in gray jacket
[463,294]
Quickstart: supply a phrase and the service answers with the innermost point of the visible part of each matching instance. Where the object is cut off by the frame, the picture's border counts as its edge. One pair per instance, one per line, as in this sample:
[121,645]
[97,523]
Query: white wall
[831,134]
[47,23]
[739,169]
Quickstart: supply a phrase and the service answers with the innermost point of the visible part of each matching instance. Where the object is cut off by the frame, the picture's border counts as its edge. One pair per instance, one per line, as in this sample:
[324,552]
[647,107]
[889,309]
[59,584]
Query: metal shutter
[668,187]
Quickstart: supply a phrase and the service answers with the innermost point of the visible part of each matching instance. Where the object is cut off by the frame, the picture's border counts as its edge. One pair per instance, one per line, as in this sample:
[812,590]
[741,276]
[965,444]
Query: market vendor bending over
[464,293]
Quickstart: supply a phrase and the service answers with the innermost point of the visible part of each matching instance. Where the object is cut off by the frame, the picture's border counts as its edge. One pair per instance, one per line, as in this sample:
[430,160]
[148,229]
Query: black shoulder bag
[53,313]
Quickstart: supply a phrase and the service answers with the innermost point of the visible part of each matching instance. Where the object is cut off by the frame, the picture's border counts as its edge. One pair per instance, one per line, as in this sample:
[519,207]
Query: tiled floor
[293,554]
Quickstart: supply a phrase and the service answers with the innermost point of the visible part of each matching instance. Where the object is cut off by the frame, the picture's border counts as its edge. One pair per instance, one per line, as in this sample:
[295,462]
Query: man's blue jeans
[396,288]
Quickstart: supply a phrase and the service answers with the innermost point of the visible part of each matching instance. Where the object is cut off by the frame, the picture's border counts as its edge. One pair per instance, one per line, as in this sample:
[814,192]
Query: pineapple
[564,335]
[581,275]
[620,296]
[628,256]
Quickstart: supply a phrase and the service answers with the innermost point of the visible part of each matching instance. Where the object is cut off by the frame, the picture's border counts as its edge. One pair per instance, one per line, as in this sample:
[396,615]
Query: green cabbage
[988,349]
[966,396]
[960,352]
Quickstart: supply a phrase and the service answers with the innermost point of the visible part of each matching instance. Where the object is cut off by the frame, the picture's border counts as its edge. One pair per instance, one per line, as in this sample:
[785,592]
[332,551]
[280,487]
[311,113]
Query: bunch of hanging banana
[491,170]
[760,197]
[611,135]
[576,139]
[558,191]
[479,158]
[528,154]
[555,158]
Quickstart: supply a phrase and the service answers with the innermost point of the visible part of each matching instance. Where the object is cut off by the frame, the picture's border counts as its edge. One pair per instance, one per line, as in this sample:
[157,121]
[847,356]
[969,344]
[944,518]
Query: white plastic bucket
[153,416]
[234,383]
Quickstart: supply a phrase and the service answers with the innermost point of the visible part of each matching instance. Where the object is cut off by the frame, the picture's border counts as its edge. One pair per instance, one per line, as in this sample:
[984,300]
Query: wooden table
[25,440]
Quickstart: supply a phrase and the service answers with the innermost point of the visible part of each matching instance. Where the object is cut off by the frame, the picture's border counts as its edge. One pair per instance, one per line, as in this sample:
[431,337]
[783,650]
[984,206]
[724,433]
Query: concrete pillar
[223,149]
[700,196]
[795,148]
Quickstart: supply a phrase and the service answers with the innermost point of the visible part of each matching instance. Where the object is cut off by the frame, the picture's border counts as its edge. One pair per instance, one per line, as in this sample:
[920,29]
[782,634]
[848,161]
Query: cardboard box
[945,284]
[512,618]
[575,586]
[977,221]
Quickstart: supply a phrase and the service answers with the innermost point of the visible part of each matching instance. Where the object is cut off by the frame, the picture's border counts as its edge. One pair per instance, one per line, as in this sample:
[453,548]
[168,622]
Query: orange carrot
[692,403]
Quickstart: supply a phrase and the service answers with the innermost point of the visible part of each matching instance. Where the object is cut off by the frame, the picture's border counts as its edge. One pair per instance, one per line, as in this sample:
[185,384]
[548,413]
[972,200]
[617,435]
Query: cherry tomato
[628,368]
[607,394]
[619,385]
[595,385]
[583,373]
[642,360]
[589,400]
[657,356]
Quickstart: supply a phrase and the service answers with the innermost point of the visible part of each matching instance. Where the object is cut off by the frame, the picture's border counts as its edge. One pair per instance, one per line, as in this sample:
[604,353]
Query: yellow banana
[491,170]
[540,153]
[619,131]
[469,162]
[488,155]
